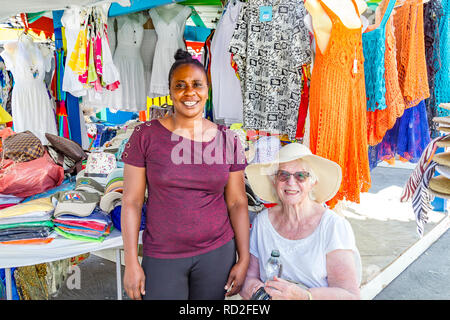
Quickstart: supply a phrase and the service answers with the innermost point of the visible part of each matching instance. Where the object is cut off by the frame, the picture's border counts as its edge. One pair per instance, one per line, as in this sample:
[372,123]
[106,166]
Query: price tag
[355,66]
[265,13]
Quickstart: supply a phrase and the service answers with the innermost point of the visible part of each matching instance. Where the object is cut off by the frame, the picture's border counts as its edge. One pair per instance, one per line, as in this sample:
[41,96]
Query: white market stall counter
[12,256]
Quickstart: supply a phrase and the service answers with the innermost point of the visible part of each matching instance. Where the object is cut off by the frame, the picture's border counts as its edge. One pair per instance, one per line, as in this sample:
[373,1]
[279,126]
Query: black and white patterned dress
[269,56]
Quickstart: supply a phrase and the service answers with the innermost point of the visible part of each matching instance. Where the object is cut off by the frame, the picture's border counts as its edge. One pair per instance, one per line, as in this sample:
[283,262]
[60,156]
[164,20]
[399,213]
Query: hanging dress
[442,90]
[269,55]
[410,134]
[337,108]
[432,13]
[71,21]
[412,67]
[379,121]
[374,49]
[32,108]
[130,96]
[148,52]
[227,107]
[170,39]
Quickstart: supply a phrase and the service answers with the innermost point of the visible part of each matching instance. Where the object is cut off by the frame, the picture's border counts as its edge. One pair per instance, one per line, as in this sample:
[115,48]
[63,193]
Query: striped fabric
[418,173]
[422,198]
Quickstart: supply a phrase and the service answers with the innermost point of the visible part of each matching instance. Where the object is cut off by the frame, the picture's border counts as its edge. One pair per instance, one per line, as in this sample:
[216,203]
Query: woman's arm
[252,280]
[342,278]
[132,201]
[342,282]
[237,205]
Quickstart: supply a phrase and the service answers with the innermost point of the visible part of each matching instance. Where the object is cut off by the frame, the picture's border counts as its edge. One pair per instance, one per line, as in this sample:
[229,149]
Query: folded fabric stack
[95,227]
[77,213]
[27,223]
[111,201]
[8,200]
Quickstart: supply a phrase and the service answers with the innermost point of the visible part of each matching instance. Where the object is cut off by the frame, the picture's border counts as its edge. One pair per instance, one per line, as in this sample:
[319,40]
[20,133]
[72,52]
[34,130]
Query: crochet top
[380,121]
[412,67]
[337,108]
[442,80]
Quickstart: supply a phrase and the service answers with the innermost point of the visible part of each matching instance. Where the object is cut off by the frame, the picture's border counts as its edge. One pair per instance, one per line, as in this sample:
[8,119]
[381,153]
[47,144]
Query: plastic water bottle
[273,265]
[273,268]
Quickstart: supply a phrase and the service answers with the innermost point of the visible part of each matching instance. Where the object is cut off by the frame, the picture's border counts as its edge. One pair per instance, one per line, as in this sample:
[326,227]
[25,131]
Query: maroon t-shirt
[186,210]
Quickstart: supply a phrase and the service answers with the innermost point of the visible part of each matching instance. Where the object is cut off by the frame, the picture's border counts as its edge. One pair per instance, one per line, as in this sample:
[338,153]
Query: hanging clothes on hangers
[170,39]
[131,95]
[374,49]
[379,121]
[442,80]
[411,61]
[71,20]
[226,87]
[270,49]
[337,107]
[148,51]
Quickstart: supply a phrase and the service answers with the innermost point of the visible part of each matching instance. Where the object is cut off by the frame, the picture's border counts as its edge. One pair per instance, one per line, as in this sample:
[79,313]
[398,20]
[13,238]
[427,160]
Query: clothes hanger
[149,24]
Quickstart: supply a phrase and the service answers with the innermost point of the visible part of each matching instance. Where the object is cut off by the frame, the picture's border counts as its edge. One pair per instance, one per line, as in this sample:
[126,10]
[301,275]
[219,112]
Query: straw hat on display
[440,185]
[328,173]
[442,158]
[443,143]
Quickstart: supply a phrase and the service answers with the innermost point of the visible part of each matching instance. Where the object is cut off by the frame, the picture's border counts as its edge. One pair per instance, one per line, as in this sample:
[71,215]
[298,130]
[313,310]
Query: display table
[12,256]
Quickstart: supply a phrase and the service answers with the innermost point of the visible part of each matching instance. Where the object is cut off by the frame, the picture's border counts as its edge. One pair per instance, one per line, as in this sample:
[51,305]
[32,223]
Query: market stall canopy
[118,9]
[12,8]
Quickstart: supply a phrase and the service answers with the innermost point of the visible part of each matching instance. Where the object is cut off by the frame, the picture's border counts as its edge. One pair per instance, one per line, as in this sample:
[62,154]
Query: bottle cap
[275,253]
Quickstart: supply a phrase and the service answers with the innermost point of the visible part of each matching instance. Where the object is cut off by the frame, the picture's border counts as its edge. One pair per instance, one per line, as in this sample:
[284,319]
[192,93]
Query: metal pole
[8,284]
[118,274]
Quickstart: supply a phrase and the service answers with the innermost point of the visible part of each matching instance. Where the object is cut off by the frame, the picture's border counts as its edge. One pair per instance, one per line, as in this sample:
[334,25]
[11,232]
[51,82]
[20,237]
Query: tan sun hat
[444,143]
[442,120]
[443,128]
[328,173]
[440,184]
[442,158]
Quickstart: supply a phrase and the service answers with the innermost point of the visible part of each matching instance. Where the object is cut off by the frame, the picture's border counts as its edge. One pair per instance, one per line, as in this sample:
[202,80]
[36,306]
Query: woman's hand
[280,289]
[134,281]
[236,277]
[255,285]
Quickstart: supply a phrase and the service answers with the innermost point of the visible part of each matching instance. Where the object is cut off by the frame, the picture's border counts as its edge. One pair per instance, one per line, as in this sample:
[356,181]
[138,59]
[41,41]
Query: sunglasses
[299,176]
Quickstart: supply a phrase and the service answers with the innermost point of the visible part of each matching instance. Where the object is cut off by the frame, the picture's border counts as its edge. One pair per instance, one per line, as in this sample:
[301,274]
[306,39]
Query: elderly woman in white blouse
[317,247]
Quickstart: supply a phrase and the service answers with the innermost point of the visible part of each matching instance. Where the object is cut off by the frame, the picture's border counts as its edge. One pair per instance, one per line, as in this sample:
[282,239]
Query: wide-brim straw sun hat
[440,184]
[327,172]
[442,158]
[443,143]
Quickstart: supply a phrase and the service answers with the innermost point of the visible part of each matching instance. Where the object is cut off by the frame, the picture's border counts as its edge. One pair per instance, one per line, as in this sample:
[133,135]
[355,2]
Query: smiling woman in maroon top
[197,214]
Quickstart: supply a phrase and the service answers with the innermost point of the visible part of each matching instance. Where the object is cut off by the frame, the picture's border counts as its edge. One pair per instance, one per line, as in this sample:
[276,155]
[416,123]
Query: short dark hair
[183,57]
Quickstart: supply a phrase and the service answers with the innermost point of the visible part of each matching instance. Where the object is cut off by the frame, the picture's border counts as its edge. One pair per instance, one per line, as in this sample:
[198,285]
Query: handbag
[67,147]
[65,151]
[22,147]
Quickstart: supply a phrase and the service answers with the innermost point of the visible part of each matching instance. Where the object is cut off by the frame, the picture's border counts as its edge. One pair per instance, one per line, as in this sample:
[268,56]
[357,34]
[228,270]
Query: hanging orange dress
[411,60]
[338,127]
[380,121]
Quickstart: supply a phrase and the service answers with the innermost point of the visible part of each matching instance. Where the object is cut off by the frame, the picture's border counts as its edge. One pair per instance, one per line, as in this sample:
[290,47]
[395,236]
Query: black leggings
[202,277]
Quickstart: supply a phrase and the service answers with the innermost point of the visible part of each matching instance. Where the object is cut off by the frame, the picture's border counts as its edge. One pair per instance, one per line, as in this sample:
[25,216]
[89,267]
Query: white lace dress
[170,39]
[32,107]
[147,52]
[131,94]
